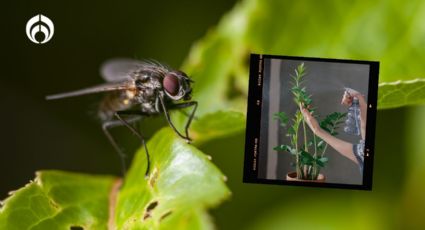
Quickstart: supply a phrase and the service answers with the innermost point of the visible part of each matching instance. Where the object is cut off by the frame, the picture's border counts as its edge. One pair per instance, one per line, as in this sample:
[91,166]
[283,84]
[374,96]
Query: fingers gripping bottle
[352,123]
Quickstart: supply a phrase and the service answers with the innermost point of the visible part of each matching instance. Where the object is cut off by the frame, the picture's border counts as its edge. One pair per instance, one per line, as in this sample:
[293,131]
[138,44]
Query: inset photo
[311,121]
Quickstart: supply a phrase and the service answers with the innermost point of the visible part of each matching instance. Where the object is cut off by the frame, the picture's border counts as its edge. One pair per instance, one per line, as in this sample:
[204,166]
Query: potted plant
[308,149]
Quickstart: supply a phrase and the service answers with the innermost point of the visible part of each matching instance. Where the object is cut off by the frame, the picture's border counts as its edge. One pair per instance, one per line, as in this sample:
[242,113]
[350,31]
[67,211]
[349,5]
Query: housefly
[136,89]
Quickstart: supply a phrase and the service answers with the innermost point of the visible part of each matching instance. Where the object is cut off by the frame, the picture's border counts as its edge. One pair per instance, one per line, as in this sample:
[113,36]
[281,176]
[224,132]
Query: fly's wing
[112,86]
[119,69]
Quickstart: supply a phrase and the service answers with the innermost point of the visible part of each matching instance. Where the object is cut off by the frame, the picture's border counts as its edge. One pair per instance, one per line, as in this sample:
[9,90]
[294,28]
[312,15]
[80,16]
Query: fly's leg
[191,115]
[116,123]
[188,114]
[135,132]
[182,105]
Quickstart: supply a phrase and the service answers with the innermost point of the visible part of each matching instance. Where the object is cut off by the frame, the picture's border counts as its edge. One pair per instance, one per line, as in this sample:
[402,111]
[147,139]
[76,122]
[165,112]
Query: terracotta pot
[292,176]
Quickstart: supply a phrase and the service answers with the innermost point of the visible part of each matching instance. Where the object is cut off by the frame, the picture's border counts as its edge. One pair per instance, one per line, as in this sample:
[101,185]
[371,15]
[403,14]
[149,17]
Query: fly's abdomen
[112,103]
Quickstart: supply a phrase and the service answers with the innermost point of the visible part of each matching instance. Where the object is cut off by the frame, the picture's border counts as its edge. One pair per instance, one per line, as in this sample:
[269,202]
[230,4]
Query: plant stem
[305,145]
[298,170]
[297,161]
[305,137]
[315,168]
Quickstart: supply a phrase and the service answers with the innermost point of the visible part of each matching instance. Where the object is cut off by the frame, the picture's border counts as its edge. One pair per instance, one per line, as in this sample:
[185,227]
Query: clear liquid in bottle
[352,123]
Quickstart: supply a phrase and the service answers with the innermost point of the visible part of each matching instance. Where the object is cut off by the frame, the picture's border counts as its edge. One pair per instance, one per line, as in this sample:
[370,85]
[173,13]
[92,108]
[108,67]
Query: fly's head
[177,86]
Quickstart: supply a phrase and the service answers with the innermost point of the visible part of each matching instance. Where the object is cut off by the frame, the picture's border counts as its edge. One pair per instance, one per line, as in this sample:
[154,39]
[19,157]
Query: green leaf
[291,130]
[401,93]
[320,143]
[282,117]
[182,182]
[181,186]
[285,148]
[217,124]
[281,148]
[310,143]
[330,122]
[321,161]
[324,127]
[212,67]
[306,158]
[307,101]
[59,200]
[300,70]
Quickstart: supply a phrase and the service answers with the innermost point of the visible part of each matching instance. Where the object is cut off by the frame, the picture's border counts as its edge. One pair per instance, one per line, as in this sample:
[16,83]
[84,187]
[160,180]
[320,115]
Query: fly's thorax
[146,88]
[149,108]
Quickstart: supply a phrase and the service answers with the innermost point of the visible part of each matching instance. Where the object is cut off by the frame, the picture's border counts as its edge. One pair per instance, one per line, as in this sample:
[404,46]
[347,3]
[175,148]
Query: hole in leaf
[146,216]
[165,215]
[76,228]
[151,206]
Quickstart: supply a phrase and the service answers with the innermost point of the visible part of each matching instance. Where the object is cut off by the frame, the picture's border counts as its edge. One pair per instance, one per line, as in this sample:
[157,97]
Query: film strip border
[253,121]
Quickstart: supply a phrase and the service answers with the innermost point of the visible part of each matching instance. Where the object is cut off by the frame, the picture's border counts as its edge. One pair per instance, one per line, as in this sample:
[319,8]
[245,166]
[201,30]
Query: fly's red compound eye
[171,84]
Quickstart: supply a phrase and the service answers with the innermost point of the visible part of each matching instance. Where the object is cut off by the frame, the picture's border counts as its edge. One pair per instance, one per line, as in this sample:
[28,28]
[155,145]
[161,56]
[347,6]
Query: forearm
[343,147]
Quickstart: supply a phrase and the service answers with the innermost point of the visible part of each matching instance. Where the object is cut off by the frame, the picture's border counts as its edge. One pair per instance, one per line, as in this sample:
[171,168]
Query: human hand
[311,121]
[349,95]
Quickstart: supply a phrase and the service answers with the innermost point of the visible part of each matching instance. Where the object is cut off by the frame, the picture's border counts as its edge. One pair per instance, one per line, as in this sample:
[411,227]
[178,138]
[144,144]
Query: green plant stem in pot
[310,155]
